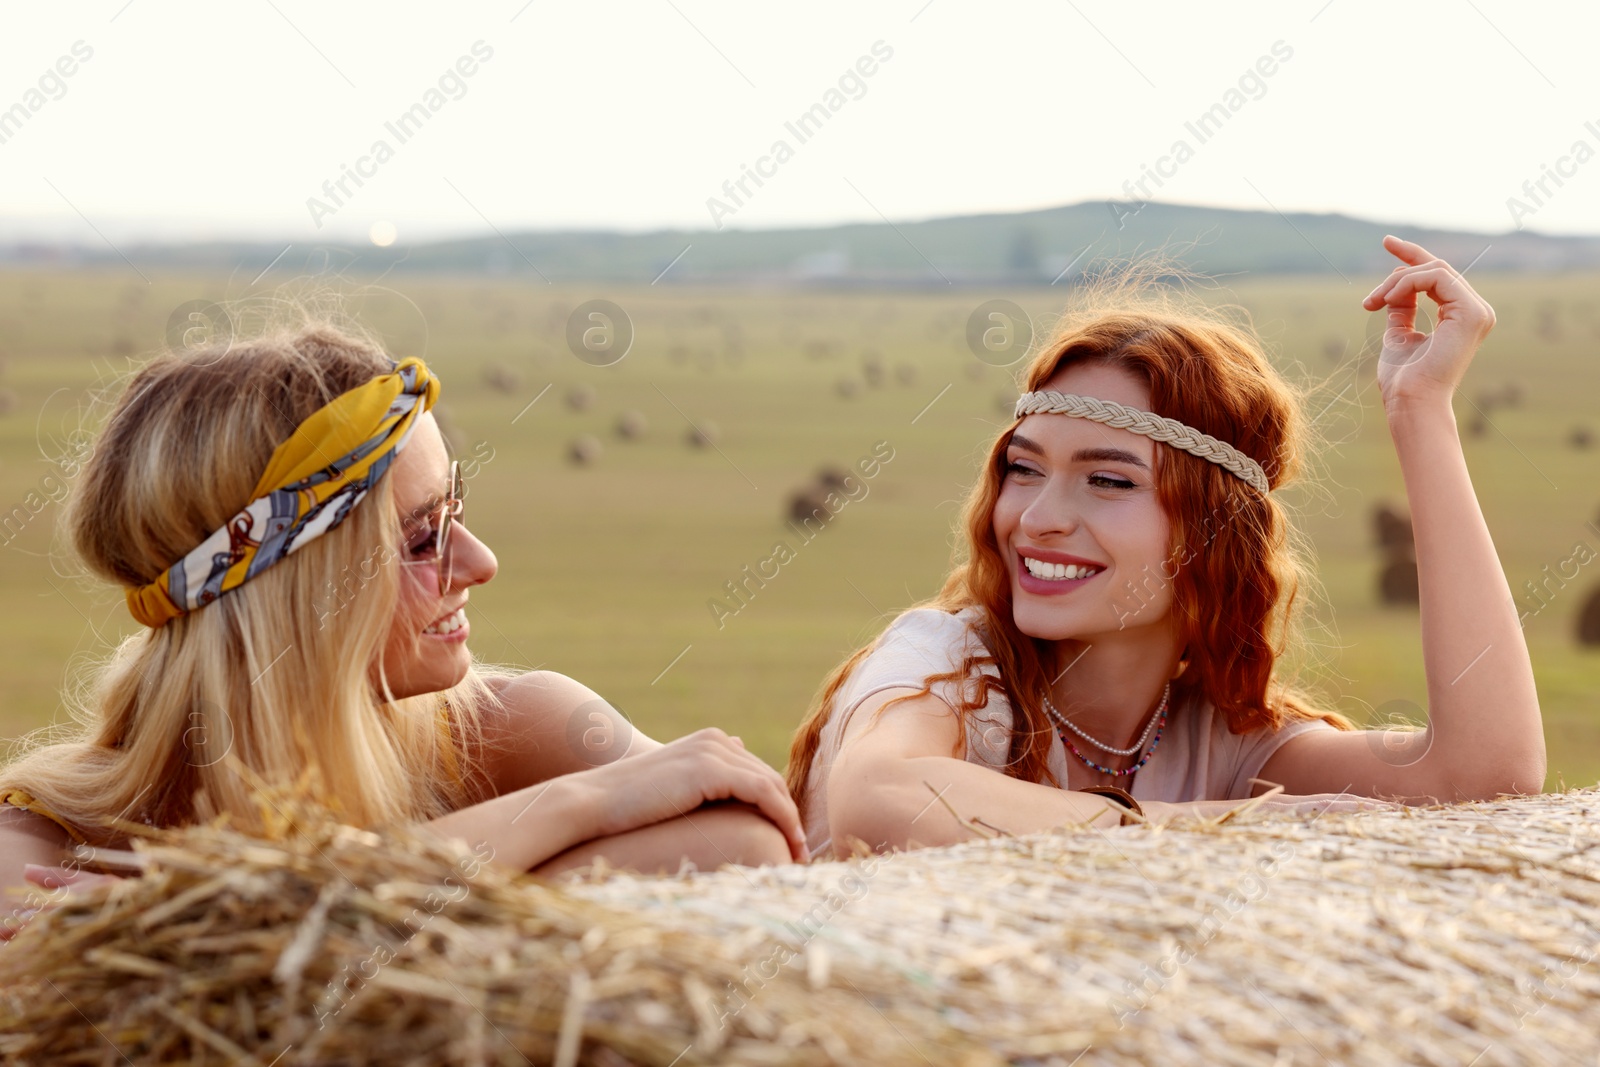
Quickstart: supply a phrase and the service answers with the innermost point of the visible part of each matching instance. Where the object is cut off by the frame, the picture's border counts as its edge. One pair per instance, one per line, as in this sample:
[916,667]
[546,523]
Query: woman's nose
[1051,511]
[473,562]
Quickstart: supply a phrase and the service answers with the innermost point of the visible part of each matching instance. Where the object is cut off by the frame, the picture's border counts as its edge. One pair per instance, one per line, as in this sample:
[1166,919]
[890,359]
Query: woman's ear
[1183,665]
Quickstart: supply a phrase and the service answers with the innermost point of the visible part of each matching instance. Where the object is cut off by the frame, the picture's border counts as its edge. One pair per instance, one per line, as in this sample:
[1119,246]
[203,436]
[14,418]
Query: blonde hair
[276,676]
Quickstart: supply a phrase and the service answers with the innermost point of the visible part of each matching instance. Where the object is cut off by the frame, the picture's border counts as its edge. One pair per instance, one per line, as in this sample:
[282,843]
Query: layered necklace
[1157,723]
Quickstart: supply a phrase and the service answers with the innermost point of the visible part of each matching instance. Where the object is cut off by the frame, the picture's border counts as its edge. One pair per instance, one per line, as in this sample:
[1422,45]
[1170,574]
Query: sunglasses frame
[448,515]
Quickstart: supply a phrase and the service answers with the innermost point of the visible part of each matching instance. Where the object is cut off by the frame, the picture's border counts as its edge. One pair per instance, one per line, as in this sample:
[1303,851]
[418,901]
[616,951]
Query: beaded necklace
[1160,723]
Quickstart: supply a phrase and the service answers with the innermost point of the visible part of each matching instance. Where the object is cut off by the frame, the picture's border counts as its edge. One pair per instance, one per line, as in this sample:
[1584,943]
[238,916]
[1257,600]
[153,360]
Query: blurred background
[682,264]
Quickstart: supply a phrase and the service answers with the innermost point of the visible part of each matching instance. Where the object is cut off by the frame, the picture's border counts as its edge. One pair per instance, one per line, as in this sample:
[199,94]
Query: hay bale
[1589,621]
[1445,935]
[328,945]
[847,388]
[580,397]
[1391,528]
[1581,438]
[873,369]
[631,425]
[1397,583]
[584,450]
[810,503]
[832,477]
[703,435]
[501,379]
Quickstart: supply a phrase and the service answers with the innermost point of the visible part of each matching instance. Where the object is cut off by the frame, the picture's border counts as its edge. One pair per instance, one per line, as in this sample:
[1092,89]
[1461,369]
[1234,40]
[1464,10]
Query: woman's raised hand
[681,775]
[1417,366]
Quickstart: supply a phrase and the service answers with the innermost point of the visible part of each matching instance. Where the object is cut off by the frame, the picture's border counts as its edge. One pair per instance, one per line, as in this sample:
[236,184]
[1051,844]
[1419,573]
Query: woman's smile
[1047,573]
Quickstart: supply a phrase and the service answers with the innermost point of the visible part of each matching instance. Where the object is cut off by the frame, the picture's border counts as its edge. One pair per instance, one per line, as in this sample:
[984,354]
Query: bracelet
[1121,796]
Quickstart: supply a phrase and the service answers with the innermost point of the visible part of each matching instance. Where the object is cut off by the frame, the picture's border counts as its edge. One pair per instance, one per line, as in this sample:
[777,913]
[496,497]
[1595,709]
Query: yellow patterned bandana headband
[311,483]
[1158,427]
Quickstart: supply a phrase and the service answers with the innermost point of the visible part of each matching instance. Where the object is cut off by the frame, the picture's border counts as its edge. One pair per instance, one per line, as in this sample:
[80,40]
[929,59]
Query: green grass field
[607,571]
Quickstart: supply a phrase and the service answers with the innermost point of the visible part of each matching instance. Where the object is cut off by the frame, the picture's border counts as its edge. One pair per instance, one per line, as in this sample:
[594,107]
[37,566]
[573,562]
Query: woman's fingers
[1409,251]
[754,782]
[12,925]
[64,877]
[69,878]
[1441,283]
[709,765]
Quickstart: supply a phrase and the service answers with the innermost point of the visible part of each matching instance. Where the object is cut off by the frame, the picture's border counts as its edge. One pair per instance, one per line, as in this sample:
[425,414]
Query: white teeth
[450,624]
[1058,571]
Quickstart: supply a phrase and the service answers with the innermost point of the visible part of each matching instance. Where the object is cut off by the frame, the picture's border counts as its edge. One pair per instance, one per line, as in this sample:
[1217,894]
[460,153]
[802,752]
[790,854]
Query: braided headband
[310,484]
[1168,431]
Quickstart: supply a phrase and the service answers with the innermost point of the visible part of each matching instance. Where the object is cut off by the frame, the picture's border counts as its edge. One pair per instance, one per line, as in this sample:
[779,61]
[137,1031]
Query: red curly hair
[1234,572]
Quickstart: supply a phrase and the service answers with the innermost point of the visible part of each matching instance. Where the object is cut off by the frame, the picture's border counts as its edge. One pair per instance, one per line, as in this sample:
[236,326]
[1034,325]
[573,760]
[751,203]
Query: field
[608,571]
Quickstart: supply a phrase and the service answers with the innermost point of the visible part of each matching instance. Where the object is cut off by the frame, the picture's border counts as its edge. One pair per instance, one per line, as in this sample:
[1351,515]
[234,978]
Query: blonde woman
[285,521]
[1112,639]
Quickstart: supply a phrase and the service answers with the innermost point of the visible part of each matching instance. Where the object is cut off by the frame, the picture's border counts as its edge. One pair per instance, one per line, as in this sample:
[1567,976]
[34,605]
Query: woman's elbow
[1509,776]
[884,808]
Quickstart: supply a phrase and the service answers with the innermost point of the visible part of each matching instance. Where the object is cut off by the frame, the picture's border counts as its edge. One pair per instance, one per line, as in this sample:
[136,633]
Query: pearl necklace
[1161,712]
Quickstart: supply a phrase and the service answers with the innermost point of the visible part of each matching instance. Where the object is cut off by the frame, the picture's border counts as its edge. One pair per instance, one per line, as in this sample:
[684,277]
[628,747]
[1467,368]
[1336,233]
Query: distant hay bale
[631,425]
[1446,935]
[580,397]
[1589,621]
[1397,578]
[847,388]
[1581,438]
[585,450]
[873,369]
[1397,583]
[1391,528]
[703,435]
[810,503]
[906,373]
[500,379]
[832,477]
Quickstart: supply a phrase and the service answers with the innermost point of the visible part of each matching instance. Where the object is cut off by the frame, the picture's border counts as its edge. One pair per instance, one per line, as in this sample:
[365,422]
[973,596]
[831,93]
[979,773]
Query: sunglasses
[448,515]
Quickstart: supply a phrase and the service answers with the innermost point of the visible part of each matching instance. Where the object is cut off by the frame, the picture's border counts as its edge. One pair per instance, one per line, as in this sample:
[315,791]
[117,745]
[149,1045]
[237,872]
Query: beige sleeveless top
[1199,758]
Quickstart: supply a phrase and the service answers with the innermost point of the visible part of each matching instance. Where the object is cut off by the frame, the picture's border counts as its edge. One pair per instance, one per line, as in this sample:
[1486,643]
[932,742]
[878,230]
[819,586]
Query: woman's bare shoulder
[547,725]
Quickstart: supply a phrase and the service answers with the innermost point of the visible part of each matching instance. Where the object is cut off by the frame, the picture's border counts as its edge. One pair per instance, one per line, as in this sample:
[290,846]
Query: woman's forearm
[1483,709]
[910,802]
[526,827]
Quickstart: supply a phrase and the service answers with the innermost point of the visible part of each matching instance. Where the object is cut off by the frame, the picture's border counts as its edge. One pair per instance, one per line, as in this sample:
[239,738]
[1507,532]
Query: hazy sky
[193,119]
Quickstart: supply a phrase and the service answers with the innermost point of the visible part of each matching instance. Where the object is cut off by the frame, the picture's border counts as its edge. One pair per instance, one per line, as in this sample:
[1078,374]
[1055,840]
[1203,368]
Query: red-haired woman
[1126,594]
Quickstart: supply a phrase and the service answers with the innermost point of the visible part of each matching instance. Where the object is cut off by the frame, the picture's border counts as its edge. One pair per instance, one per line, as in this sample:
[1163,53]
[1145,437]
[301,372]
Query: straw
[1449,935]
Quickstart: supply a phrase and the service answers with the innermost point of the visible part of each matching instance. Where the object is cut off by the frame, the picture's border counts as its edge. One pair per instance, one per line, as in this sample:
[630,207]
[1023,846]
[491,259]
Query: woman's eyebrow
[427,507]
[1084,455]
[1026,444]
[1108,455]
